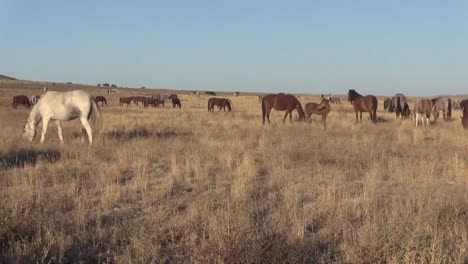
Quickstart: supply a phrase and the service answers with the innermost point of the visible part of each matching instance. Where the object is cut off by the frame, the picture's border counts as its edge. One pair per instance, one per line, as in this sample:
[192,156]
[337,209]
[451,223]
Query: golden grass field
[192,186]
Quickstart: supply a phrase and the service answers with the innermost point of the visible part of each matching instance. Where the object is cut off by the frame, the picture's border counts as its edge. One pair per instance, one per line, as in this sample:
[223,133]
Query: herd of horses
[64,106]
[422,111]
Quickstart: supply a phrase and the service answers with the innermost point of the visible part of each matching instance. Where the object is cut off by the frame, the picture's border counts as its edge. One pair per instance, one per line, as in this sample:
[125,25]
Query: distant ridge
[4,77]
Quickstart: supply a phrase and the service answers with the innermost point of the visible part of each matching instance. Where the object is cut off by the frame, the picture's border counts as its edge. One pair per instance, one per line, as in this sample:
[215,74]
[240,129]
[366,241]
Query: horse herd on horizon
[64,106]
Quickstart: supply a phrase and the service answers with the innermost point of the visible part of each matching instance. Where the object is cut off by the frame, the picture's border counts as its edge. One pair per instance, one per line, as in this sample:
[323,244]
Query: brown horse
[464,118]
[281,102]
[21,100]
[139,99]
[176,102]
[361,104]
[125,100]
[319,109]
[101,99]
[444,104]
[422,110]
[220,103]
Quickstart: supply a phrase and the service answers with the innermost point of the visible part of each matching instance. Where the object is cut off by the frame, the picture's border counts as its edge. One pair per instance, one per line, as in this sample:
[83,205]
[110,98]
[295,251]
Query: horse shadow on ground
[380,120]
[137,133]
[21,157]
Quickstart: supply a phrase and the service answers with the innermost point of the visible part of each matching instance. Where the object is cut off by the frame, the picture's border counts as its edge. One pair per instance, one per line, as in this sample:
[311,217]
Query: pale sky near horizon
[376,47]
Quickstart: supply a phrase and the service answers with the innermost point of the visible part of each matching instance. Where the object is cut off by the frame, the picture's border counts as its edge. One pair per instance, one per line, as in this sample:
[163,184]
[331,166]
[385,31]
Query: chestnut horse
[220,103]
[361,104]
[321,109]
[281,102]
[125,100]
[21,99]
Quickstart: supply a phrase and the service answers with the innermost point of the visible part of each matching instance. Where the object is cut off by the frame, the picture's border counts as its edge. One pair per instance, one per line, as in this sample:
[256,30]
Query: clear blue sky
[377,47]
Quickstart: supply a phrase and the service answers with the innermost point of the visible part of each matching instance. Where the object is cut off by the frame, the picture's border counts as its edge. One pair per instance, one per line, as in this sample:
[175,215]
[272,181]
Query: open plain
[192,186]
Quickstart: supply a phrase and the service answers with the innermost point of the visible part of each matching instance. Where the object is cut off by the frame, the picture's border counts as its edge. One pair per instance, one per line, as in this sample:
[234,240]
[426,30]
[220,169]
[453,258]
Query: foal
[321,109]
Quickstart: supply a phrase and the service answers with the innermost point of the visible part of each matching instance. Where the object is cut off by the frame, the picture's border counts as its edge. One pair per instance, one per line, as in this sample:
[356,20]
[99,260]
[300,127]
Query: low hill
[4,77]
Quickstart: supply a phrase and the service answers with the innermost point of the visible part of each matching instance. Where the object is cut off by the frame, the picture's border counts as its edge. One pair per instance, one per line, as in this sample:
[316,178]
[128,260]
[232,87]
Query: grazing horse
[281,102]
[464,118]
[101,99]
[220,103]
[172,96]
[139,99]
[401,105]
[35,98]
[444,104]
[236,94]
[149,101]
[154,102]
[45,89]
[386,104]
[210,93]
[319,109]
[125,100]
[361,104]
[63,106]
[176,103]
[21,100]
[422,110]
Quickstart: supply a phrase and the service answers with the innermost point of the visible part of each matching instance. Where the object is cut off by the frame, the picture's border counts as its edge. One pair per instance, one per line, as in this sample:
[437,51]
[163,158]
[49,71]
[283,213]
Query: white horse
[62,106]
[46,89]
[113,90]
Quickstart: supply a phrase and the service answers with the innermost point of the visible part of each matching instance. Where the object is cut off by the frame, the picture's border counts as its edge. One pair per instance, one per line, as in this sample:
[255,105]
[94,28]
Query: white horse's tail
[95,116]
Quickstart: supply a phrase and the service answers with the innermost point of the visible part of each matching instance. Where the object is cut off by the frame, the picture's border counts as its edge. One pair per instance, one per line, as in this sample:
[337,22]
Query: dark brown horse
[21,100]
[321,109]
[139,99]
[101,99]
[125,100]
[281,102]
[464,118]
[386,104]
[361,104]
[221,103]
[176,103]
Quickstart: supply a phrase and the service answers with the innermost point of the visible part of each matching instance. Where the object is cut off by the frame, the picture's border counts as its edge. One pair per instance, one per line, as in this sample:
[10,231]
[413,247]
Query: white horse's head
[29,133]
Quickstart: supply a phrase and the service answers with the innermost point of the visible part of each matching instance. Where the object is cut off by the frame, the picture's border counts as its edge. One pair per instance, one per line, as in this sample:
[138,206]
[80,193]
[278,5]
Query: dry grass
[165,185]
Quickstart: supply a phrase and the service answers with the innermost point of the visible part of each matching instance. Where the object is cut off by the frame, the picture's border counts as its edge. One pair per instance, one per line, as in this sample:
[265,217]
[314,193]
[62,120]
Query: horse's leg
[45,123]
[285,115]
[85,123]
[360,117]
[268,111]
[290,116]
[59,130]
[417,117]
